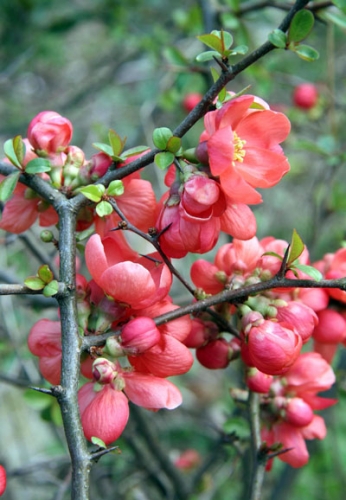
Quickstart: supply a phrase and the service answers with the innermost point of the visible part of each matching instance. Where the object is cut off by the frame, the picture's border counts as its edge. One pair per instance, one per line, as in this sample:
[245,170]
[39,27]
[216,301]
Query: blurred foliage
[127,66]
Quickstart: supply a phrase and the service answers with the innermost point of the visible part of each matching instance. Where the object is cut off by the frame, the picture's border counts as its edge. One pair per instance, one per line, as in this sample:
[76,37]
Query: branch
[258,463]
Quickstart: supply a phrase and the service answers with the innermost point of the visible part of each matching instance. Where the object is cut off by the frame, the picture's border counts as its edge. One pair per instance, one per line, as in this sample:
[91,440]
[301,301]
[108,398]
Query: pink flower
[273,347]
[242,146]
[331,327]
[124,275]
[104,412]
[298,413]
[45,342]
[151,392]
[291,439]
[300,316]
[50,132]
[258,381]
[3,480]
[214,355]
[138,335]
[188,460]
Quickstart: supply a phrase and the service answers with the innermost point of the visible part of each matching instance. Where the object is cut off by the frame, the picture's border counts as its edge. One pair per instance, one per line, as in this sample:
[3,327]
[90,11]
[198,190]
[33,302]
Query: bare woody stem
[257,464]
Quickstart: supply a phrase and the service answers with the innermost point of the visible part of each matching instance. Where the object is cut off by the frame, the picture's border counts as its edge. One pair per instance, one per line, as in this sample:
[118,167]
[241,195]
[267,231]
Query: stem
[71,350]
[257,465]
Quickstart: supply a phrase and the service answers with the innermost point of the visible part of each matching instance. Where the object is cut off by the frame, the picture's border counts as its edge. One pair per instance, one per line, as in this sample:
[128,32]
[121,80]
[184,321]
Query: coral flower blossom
[50,132]
[241,144]
[2,479]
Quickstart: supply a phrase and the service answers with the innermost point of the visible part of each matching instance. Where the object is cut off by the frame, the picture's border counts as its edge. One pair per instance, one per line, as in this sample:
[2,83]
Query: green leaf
[273,254]
[164,160]
[214,74]
[341,4]
[307,53]
[173,144]
[296,248]
[134,151]
[239,49]
[116,142]
[278,38]
[98,442]
[93,192]
[301,25]
[207,56]
[8,185]
[37,166]
[34,283]
[19,148]
[161,137]
[104,208]
[45,274]
[11,154]
[175,56]
[116,188]
[51,289]
[105,148]
[311,271]
[37,400]
[238,426]
[213,41]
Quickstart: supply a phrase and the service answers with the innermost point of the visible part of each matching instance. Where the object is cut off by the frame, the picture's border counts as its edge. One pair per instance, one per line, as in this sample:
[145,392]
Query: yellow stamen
[239,151]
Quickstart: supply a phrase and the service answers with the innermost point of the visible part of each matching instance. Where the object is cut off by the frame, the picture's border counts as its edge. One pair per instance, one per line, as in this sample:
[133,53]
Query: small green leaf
[37,400]
[173,144]
[8,185]
[161,137]
[273,254]
[45,274]
[307,53]
[116,188]
[296,248]
[309,270]
[134,151]
[98,442]
[207,56]
[11,154]
[213,41]
[238,426]
[175,56]
[278,38]
[239,49]
[116,142]
[37,166]
[34,283]
[337,18]
[19,148]
[214,74]
[93,192]
[164,160]
[105,148]
[51,289]
[104,208]
[301,25]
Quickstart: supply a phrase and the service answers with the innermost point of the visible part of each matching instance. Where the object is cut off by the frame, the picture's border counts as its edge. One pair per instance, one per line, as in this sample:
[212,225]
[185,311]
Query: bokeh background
[127,65]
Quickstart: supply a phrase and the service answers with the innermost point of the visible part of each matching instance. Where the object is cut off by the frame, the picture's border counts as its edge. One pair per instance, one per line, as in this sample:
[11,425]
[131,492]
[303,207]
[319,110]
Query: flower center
[239,151]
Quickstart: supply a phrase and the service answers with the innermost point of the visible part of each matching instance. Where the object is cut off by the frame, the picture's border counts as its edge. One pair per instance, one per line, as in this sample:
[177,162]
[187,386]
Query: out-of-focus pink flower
[50,132]
[124,275]
[273,347]
[3,480]
[331,328]
[188,460]
[291,439]
[241,145]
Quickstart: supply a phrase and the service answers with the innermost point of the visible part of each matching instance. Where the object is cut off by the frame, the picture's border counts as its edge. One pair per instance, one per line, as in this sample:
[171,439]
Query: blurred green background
[127,65]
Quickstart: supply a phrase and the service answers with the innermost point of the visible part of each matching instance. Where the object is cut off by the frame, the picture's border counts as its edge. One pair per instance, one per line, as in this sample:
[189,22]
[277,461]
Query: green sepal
[173,144]
[8,185]
[116,142]
[301,25]
[161,137]
[296,248]
[38,166]
[164,160]
[278,38]
[311,271]
[98,442]
[45,274]
[11,154]
[116,188]
[93,192]
[51,289]
[34,283]
[104,208]
[306,52]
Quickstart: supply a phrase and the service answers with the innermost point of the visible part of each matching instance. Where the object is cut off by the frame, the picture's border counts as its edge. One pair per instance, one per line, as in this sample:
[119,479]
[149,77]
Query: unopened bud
[104,371]
[46,236]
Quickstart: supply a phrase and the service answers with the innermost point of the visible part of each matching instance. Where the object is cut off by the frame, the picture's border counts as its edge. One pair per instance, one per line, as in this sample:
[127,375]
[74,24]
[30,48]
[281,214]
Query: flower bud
[300,316]
[214,355]
[200,333]
[139,335]
[298,413]
[331,328]
[258,381]
[104,371]
[49,132]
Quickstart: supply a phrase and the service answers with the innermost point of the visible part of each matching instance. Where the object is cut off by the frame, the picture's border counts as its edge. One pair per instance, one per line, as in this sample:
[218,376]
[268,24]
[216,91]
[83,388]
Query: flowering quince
[241,145]
[105,411]
[124,275]
[3,480]
[50,132]
[188,460]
